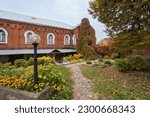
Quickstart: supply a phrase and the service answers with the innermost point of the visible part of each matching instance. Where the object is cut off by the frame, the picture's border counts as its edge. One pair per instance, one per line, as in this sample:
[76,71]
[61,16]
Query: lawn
[111,84]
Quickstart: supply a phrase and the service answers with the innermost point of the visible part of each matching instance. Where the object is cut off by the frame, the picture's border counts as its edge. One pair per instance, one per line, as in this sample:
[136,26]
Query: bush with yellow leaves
[74,58]
[41,60]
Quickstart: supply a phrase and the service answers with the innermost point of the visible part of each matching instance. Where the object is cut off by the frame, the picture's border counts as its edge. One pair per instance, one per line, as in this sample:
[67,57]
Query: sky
[67,11]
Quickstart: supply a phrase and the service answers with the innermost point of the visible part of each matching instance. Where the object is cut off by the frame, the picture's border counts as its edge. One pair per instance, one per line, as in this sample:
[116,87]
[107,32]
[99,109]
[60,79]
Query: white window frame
[25,35]
[48,39]
[6,34]
[74,40]
[68,43]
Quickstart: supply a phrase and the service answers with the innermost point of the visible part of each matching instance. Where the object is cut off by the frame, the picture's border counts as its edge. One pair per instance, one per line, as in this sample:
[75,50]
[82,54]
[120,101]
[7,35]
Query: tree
[127,21]
[102,50]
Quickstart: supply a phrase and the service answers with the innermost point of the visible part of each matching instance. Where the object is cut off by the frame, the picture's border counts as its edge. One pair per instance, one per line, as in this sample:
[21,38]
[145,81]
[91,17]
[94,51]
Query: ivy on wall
[86,40]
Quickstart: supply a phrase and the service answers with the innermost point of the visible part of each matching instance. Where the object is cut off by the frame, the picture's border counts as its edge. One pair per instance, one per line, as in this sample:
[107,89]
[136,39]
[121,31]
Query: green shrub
[45,60]
[100,60]
[148,63]
[12,72]
[30,61]
[9,70]
[88,62]
[108,62]
[5,66]
[20,63]
[115,55]
[122,65]
[106,57]
[41,60]
[136,62]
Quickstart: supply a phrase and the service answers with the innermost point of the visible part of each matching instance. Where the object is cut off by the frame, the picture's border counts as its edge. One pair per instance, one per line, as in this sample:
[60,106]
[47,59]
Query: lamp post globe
[35,40]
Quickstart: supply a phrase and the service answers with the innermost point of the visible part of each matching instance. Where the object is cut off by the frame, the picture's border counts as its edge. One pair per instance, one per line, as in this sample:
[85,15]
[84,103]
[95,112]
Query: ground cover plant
[20,76]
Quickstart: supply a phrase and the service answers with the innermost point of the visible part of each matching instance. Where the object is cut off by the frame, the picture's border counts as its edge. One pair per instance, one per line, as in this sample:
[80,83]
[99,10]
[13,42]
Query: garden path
[82,87]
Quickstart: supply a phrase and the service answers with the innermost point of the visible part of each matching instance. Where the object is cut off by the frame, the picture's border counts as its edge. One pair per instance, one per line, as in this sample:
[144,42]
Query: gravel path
[82,87]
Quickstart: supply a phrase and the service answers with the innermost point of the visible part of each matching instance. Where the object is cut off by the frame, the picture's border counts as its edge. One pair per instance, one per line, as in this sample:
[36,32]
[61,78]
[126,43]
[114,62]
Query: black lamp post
[35,39]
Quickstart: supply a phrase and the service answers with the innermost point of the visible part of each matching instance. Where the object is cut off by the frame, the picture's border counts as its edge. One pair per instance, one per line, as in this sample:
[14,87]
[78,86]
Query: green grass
[111,84]
[67,93]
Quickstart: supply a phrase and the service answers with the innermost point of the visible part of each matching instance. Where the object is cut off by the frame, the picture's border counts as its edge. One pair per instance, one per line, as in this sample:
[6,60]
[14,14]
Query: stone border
[7,93]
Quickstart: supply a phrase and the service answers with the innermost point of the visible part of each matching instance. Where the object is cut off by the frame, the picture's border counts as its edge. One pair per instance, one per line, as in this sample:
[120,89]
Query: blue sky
[68,11]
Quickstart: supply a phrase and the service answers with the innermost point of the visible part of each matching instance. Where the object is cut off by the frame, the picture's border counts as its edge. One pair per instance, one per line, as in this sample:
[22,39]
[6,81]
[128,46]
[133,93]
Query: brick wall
[16,39]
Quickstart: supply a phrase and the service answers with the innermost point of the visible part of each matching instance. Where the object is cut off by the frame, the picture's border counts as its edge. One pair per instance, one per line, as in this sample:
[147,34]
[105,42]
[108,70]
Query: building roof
[39,51]
[67,50]
[32,20]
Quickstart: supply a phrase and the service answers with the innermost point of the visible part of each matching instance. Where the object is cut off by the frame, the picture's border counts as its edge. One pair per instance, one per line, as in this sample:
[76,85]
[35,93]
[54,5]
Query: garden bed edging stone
[7,93]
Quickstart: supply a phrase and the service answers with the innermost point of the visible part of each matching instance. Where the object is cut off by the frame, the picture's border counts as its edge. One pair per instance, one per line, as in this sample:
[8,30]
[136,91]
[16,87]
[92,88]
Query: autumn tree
[127,21]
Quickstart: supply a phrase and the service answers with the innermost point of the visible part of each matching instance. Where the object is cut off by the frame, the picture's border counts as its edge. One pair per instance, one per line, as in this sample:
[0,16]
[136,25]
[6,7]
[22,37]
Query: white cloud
[68,11]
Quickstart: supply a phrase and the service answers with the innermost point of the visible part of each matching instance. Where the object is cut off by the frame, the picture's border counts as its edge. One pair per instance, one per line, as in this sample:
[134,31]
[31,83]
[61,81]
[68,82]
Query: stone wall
[15,94]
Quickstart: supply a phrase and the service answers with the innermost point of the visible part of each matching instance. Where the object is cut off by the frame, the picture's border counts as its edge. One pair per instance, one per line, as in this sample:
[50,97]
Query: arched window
[3,35]
[50,38]
[27,35]
[74,40]
[66,40]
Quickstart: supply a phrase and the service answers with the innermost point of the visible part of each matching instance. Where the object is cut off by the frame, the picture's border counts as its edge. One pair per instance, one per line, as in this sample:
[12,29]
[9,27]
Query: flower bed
[20,76]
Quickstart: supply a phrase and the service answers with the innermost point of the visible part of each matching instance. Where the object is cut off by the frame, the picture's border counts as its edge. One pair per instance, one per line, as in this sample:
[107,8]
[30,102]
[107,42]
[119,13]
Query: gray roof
[30,51]
[32,20]
[67,50]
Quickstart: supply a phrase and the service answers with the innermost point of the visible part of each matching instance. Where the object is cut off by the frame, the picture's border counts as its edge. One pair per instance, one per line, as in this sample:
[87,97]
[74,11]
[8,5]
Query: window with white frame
[27,36]
[50,38]
[3,35]
[66,40]
[74,40]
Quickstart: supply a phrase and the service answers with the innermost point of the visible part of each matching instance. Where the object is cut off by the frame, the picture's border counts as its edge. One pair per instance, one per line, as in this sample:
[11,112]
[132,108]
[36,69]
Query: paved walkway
[82,87]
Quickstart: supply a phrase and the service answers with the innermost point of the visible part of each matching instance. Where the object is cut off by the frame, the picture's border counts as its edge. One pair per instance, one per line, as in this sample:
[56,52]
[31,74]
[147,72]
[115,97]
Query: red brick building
[57,38]
[106,41]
